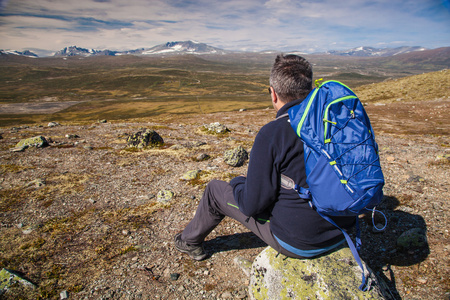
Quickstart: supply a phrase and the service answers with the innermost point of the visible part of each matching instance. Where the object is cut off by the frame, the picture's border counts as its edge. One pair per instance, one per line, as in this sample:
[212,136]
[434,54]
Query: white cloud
[233,24]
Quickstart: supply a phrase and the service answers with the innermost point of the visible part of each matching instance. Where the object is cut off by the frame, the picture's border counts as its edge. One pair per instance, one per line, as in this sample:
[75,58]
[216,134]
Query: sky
[46,26]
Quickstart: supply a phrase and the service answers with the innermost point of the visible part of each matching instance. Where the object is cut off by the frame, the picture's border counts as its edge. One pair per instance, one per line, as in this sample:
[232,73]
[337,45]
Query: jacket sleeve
[258,191]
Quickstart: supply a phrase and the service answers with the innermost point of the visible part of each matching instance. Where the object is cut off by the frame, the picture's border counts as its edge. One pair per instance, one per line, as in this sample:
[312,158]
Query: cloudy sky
[252,25]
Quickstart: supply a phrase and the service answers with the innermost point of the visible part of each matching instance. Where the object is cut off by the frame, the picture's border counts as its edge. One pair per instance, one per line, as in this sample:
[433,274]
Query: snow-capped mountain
[77,51]
[167,48]
[369,51]
[183,47]
[26,53]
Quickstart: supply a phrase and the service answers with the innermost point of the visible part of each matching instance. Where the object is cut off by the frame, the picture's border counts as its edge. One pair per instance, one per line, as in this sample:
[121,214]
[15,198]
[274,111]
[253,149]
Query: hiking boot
[194,252]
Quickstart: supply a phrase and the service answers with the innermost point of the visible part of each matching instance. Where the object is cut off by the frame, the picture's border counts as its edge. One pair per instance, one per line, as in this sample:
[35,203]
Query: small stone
[36,183]
[125,232]
[63,295]
[227,295]
[176,147]
[202,157]
[27,231]
[164,196]
[412,239]
[191,175]
[244,264]
[53,124]
[174,276]
[422,280]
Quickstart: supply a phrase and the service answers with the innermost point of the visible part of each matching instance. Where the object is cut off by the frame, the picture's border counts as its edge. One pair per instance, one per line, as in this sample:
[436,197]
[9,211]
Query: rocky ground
[81,217]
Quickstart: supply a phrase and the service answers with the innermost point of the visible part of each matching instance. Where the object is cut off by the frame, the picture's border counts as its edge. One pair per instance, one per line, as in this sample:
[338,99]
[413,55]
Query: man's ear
[274,96]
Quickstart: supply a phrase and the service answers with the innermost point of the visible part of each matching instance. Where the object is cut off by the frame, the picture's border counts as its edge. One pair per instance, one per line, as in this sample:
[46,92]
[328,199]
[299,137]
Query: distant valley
[114,87]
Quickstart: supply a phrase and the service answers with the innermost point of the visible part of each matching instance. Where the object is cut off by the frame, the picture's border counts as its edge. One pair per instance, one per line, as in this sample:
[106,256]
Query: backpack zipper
[325,116]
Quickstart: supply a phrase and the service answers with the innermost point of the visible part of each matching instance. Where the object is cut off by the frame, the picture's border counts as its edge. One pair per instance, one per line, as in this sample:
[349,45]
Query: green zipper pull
[325,120]
[317,82]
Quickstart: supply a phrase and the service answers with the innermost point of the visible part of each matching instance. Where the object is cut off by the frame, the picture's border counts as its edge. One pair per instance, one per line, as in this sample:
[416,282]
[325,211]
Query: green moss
[334,276]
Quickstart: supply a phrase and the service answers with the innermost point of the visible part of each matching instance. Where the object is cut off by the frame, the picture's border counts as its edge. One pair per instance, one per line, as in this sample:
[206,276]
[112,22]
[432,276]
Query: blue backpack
[341,156]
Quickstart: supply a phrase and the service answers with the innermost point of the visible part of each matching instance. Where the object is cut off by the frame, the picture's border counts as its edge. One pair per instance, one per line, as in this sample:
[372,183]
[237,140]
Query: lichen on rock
[9,278]
[332,276]
[37,141]
[215,128]
[165,196]
[145,138]
[191,175]
[235,157]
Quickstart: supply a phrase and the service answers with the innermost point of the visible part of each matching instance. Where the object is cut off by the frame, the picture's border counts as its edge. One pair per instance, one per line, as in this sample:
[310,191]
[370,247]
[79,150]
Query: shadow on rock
[402,243]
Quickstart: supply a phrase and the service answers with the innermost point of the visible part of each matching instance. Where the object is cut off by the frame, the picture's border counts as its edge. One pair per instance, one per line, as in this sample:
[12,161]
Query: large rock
[10,278]
[37,141]
[333,276]
[216,128]
[142,139]
[235,157]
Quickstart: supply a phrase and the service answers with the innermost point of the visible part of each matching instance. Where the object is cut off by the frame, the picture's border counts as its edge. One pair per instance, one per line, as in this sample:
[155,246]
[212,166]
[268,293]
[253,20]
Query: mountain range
[26,53]
[369,51]
[184,47]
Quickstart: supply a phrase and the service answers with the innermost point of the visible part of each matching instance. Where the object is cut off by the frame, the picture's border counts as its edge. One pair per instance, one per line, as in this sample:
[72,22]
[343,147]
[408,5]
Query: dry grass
[429,86]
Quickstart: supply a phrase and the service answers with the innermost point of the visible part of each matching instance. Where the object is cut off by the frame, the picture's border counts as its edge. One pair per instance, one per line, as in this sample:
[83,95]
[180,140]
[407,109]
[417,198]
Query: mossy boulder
[235,157]
[333,276]
[9,278]
[37,141]
[191,175]
[145,138]
[216,128]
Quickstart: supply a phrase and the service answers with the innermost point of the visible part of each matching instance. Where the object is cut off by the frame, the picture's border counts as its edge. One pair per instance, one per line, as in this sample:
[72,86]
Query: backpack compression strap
[355,249]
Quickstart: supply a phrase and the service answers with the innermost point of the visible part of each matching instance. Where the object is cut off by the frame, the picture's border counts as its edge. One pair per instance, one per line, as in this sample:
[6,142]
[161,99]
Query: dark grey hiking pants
[218,202]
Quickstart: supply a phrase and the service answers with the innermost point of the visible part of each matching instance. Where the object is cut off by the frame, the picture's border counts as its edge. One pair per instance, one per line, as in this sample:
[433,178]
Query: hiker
[274,213]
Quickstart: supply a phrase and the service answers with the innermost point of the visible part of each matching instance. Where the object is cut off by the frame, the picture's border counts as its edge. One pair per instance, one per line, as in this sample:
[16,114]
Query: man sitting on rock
[275,214]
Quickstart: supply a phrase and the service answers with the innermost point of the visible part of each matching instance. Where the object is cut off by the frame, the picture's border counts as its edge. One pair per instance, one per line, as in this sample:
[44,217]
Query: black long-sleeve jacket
[278,150]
